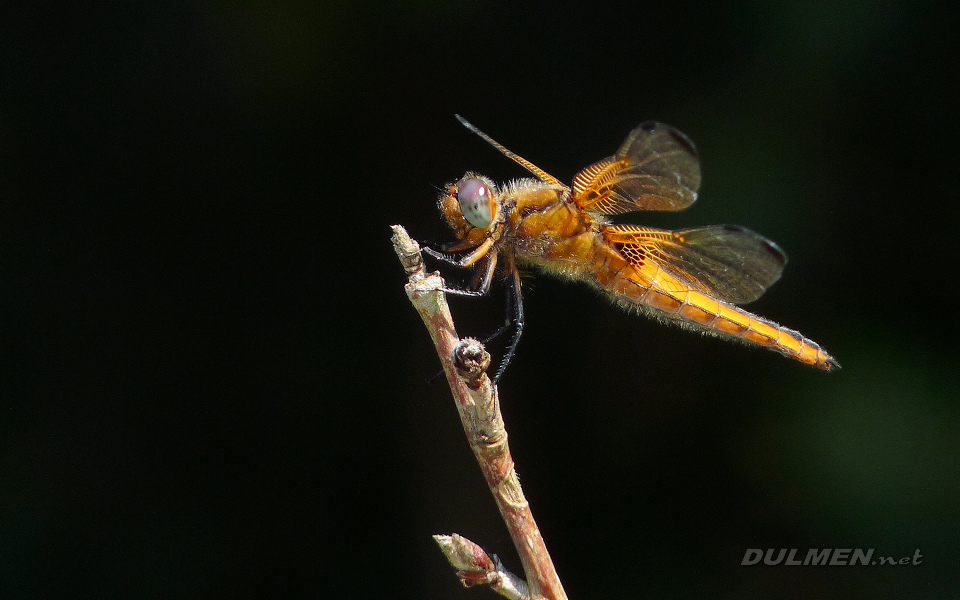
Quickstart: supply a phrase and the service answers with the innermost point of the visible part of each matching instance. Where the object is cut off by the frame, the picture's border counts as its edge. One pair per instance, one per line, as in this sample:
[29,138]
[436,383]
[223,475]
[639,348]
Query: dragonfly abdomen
[664,296]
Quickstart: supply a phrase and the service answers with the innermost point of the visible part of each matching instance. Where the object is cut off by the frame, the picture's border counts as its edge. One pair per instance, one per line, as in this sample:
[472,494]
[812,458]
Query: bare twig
[464,363]
[474,566]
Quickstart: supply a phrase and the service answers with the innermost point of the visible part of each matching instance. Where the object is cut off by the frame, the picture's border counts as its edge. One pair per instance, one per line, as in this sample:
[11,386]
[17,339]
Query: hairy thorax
[548,231]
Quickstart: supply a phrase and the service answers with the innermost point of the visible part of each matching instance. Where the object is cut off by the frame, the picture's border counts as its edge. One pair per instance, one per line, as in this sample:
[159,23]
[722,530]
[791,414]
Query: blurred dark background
[213,384]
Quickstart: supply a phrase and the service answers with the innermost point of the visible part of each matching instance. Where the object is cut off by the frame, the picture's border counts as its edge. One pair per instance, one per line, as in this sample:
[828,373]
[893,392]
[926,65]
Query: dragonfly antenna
[526,164]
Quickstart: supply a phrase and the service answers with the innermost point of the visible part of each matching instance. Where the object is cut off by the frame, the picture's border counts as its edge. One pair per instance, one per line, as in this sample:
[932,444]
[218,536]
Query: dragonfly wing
[656,168]
[727,262]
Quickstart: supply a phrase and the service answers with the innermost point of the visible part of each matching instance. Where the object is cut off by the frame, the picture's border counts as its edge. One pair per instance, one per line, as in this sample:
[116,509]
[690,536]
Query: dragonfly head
[470,203]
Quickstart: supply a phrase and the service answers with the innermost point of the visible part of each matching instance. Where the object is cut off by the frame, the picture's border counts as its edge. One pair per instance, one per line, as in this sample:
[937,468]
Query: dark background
[213,384]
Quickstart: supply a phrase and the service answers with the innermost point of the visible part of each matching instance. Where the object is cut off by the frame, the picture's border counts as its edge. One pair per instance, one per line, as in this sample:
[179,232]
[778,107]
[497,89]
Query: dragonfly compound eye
[476,202]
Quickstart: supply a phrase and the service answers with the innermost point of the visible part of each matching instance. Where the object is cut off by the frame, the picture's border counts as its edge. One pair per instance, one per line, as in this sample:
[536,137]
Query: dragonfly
[696,278]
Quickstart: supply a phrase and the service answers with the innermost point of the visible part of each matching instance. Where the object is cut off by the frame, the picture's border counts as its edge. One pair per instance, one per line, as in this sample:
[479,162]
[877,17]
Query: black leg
[479,287]
[514,321]
[514,318]
[485,268]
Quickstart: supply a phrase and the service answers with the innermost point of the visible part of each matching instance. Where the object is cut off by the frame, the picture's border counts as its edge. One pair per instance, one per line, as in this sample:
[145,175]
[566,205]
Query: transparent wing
[727,262]
[656,168]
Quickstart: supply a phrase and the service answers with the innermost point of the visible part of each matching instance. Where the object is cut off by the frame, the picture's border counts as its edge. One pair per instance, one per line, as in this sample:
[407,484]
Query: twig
[464,363]
[474,566]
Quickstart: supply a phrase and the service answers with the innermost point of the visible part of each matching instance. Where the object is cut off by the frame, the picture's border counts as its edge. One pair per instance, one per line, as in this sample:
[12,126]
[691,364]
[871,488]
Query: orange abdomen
[650,287]
[563,240]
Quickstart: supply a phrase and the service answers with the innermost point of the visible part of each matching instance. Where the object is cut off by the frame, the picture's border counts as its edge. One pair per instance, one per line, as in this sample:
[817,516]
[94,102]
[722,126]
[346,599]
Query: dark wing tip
[679,137]
[684,141]
[772,247]
[776,251]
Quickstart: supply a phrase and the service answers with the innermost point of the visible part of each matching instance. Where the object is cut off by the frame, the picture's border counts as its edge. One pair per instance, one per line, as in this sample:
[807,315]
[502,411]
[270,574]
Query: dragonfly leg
[482,279]
[514,321]
[514,318]
[479,253]
[480,286]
